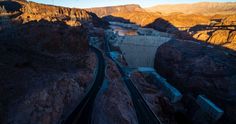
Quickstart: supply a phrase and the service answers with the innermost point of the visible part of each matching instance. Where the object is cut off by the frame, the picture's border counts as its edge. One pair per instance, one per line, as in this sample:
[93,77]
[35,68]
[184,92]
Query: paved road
[144,113]
[82,113]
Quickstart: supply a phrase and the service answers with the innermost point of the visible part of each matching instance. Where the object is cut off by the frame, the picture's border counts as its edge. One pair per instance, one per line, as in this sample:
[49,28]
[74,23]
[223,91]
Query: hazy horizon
[103,3]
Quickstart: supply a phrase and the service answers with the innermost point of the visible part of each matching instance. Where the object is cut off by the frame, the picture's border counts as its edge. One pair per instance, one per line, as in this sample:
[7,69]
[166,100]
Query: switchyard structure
[209,108]
[170,91]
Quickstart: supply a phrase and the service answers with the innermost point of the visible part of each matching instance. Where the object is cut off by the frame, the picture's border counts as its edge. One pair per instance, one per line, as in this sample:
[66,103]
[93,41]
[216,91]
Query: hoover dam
[138,45]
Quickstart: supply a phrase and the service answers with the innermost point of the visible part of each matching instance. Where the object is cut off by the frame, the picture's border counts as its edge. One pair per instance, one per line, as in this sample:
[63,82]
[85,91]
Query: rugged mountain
[139,16]
[104,11]
[197,69]
[206,8]
[31,11]
[46,64]
[179,15]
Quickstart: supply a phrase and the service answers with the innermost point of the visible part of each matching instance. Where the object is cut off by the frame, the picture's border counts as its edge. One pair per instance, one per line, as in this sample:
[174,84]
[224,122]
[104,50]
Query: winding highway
[82,113]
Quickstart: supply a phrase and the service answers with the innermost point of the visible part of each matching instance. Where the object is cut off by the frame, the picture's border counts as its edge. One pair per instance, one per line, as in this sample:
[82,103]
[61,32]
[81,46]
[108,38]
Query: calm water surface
[122,31]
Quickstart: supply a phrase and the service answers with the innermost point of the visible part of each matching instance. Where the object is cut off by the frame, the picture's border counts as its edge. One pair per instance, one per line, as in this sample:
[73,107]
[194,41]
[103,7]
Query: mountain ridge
[207,8]
[109,10]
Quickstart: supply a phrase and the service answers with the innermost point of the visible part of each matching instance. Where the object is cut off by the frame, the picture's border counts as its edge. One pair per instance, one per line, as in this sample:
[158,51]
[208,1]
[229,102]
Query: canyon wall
[197,69]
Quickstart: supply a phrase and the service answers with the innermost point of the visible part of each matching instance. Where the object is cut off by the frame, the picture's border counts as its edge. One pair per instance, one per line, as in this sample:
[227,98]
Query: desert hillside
[189,15]
[206,8]
[104,11]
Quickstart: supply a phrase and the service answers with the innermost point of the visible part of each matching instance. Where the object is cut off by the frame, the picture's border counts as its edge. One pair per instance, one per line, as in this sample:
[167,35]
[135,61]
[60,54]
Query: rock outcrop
[219,37]
[154,96]
[229,20]
[223,38]
[113,102]
[196,69]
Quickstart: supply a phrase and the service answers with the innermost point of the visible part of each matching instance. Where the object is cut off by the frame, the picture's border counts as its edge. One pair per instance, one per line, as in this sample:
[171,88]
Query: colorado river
[122,31]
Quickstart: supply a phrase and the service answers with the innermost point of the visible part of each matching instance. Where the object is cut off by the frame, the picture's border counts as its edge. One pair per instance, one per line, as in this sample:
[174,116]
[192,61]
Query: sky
[101,3]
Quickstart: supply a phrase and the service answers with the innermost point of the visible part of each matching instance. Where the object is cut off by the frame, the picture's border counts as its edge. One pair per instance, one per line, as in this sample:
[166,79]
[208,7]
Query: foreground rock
[154,97]
[46,65]
[113,104]
[196,69]
[46,69]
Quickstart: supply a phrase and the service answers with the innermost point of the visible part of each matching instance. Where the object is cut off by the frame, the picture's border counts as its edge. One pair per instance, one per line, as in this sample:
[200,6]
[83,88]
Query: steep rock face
[113,102]
[232,37]
[202,35]
[219,37]
[194,68]
[207,8]
[230,20]
[224,38]
[104,11]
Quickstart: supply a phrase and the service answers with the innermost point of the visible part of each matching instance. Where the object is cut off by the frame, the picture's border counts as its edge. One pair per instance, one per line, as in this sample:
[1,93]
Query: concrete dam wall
[140,50]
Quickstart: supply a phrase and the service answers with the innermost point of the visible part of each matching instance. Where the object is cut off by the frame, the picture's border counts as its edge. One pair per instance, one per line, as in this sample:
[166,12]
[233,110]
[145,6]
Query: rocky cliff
[224,38]
[113,102]
[196,69]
